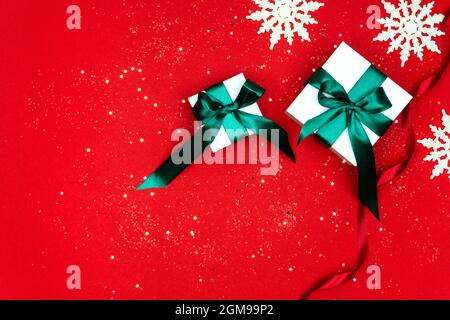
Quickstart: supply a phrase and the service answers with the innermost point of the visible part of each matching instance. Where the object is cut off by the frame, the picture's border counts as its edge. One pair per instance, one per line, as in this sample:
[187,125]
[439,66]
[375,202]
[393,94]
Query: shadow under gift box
[346,66]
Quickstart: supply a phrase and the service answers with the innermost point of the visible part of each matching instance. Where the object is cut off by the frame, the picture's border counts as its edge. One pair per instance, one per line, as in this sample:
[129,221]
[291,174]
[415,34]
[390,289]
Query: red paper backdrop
[219,231]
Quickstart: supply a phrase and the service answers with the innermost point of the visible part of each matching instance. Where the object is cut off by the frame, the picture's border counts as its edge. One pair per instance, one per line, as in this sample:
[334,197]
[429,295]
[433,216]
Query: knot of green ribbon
[215,108]
[363,104]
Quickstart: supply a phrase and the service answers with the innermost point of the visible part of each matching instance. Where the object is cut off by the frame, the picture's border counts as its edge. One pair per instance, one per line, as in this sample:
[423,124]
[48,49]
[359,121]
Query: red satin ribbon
[384,177]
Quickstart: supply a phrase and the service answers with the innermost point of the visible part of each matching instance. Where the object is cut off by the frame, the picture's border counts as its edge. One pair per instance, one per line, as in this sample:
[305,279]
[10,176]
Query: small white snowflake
[410,28]
[285,18]
[440,146]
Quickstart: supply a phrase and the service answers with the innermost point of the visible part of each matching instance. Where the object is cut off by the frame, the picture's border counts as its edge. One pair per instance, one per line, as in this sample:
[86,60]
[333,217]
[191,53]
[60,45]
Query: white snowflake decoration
[410,28]
[285,18]
[440,146]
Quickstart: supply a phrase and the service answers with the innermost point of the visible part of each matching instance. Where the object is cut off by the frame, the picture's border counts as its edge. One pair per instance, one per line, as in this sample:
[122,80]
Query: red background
[61,205]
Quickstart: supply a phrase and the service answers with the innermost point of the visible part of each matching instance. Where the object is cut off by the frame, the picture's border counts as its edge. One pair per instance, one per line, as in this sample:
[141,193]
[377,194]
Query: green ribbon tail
[321,122]
[365,158]
[257,123]
[169,170]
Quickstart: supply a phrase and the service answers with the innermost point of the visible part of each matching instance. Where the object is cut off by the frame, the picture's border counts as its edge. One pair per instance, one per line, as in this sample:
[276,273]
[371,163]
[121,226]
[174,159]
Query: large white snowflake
[285,18]
[440,146]
[410,28]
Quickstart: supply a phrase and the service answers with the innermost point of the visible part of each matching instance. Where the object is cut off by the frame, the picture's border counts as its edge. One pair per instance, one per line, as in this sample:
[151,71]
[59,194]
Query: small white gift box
[233,86]
[346,66]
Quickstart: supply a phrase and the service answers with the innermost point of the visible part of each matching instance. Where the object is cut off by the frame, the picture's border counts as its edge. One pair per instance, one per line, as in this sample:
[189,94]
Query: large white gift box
[346,66]
[233,86]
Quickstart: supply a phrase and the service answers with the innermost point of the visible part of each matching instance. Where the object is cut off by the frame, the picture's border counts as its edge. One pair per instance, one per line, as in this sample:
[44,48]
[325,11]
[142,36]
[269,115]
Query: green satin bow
[363,104]
[215,108]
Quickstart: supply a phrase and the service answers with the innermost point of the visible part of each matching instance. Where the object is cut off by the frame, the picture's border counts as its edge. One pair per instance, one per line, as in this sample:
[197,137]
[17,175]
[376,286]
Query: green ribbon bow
[215,108]
[362,105]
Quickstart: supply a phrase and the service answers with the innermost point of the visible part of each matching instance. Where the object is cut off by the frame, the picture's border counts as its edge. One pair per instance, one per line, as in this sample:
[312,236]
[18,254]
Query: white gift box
[233,86]
[346,66]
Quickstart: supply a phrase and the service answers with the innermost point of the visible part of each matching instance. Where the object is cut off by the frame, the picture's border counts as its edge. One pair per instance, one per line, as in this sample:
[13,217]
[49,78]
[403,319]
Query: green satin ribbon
[215,109]
[363,104]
